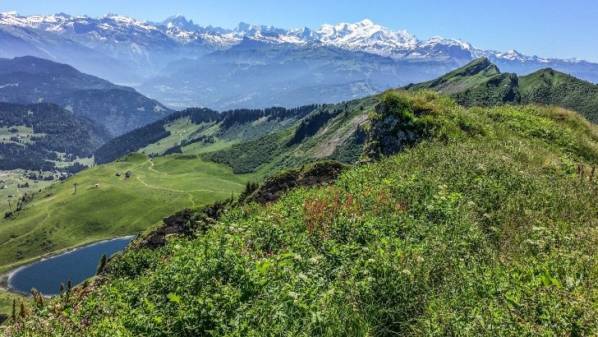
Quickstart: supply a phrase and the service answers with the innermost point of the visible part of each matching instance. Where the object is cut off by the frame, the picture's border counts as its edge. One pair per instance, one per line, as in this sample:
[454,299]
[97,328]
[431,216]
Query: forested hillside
[466,221]
[36,136]
[203,126]
[552,87]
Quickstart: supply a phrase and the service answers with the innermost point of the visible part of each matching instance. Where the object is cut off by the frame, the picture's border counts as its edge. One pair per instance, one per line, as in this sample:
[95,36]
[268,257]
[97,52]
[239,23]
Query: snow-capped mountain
[367,36]
[363,36]
[179,61]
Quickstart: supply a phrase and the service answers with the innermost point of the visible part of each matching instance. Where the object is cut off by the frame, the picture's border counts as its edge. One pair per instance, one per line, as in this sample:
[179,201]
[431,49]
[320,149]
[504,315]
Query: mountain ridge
[151,57]
[480,82]
[39,136]
[483,217]
[364,35]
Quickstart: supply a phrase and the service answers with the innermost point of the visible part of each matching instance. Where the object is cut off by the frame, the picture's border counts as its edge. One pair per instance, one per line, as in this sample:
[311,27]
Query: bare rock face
[393,127]
[186,223]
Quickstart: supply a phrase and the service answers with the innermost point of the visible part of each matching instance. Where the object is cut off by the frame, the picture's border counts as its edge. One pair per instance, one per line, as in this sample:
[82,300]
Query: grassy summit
[549,86]
[477,83]
[481,83]
[485,223]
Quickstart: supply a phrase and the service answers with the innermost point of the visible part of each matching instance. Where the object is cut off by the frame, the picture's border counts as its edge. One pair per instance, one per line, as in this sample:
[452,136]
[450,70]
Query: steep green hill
[478,83]
[481,83]
[483,224]
[549,86]
[200,130]
[328,132]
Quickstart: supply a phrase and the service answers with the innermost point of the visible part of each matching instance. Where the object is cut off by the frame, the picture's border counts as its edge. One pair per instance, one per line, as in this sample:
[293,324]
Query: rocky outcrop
[186,223]
[393,126]
[320,173]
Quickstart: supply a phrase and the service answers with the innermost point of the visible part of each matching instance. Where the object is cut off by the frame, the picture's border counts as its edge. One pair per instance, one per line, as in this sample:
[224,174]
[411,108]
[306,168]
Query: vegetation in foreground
[484,224]
[7,300]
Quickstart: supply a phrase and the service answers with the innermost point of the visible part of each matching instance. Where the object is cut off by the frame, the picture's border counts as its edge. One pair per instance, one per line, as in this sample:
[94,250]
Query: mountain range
[183,64]
[256,140]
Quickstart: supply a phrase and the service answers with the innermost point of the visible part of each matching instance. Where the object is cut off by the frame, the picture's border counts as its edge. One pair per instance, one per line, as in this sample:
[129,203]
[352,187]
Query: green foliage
[7,301]
[233,125]
[484,228]
[144,136]
[548,86]
[477,83]
[333,132]
[249,156]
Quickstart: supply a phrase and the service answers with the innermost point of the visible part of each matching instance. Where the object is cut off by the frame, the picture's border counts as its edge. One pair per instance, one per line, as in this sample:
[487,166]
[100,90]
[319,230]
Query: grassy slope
[487,227]
[9,186]
[471,75]
[58,218]
[481,83]
[478,83]
[548,86]
[6,303]
[275,151]
[179,129]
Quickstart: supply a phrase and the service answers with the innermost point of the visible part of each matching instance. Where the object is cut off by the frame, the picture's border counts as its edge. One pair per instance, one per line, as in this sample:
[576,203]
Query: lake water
[77,265]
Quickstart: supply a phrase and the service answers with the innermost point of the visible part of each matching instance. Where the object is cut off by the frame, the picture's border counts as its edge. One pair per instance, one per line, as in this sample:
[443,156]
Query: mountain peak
[366,36]
[366,22]
[363,36]
[181,22]
[477,66]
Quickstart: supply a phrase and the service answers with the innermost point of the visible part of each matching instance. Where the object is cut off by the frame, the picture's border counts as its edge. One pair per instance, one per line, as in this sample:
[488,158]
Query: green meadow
[121,198]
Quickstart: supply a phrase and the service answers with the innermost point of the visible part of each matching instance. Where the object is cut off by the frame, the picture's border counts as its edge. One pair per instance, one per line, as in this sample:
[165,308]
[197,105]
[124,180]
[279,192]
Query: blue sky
[550,28]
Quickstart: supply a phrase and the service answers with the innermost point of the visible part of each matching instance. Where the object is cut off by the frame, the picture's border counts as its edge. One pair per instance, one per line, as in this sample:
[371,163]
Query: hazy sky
[549,28]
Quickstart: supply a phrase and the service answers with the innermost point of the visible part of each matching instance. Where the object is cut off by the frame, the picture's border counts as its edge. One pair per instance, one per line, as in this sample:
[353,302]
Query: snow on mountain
[515,56]
[120,35]
[366,36]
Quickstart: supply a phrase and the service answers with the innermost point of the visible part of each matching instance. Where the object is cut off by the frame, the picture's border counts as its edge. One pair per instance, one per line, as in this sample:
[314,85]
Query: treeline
[248,156]
[310,126]
[149,134]
[243,116]
[48,130]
